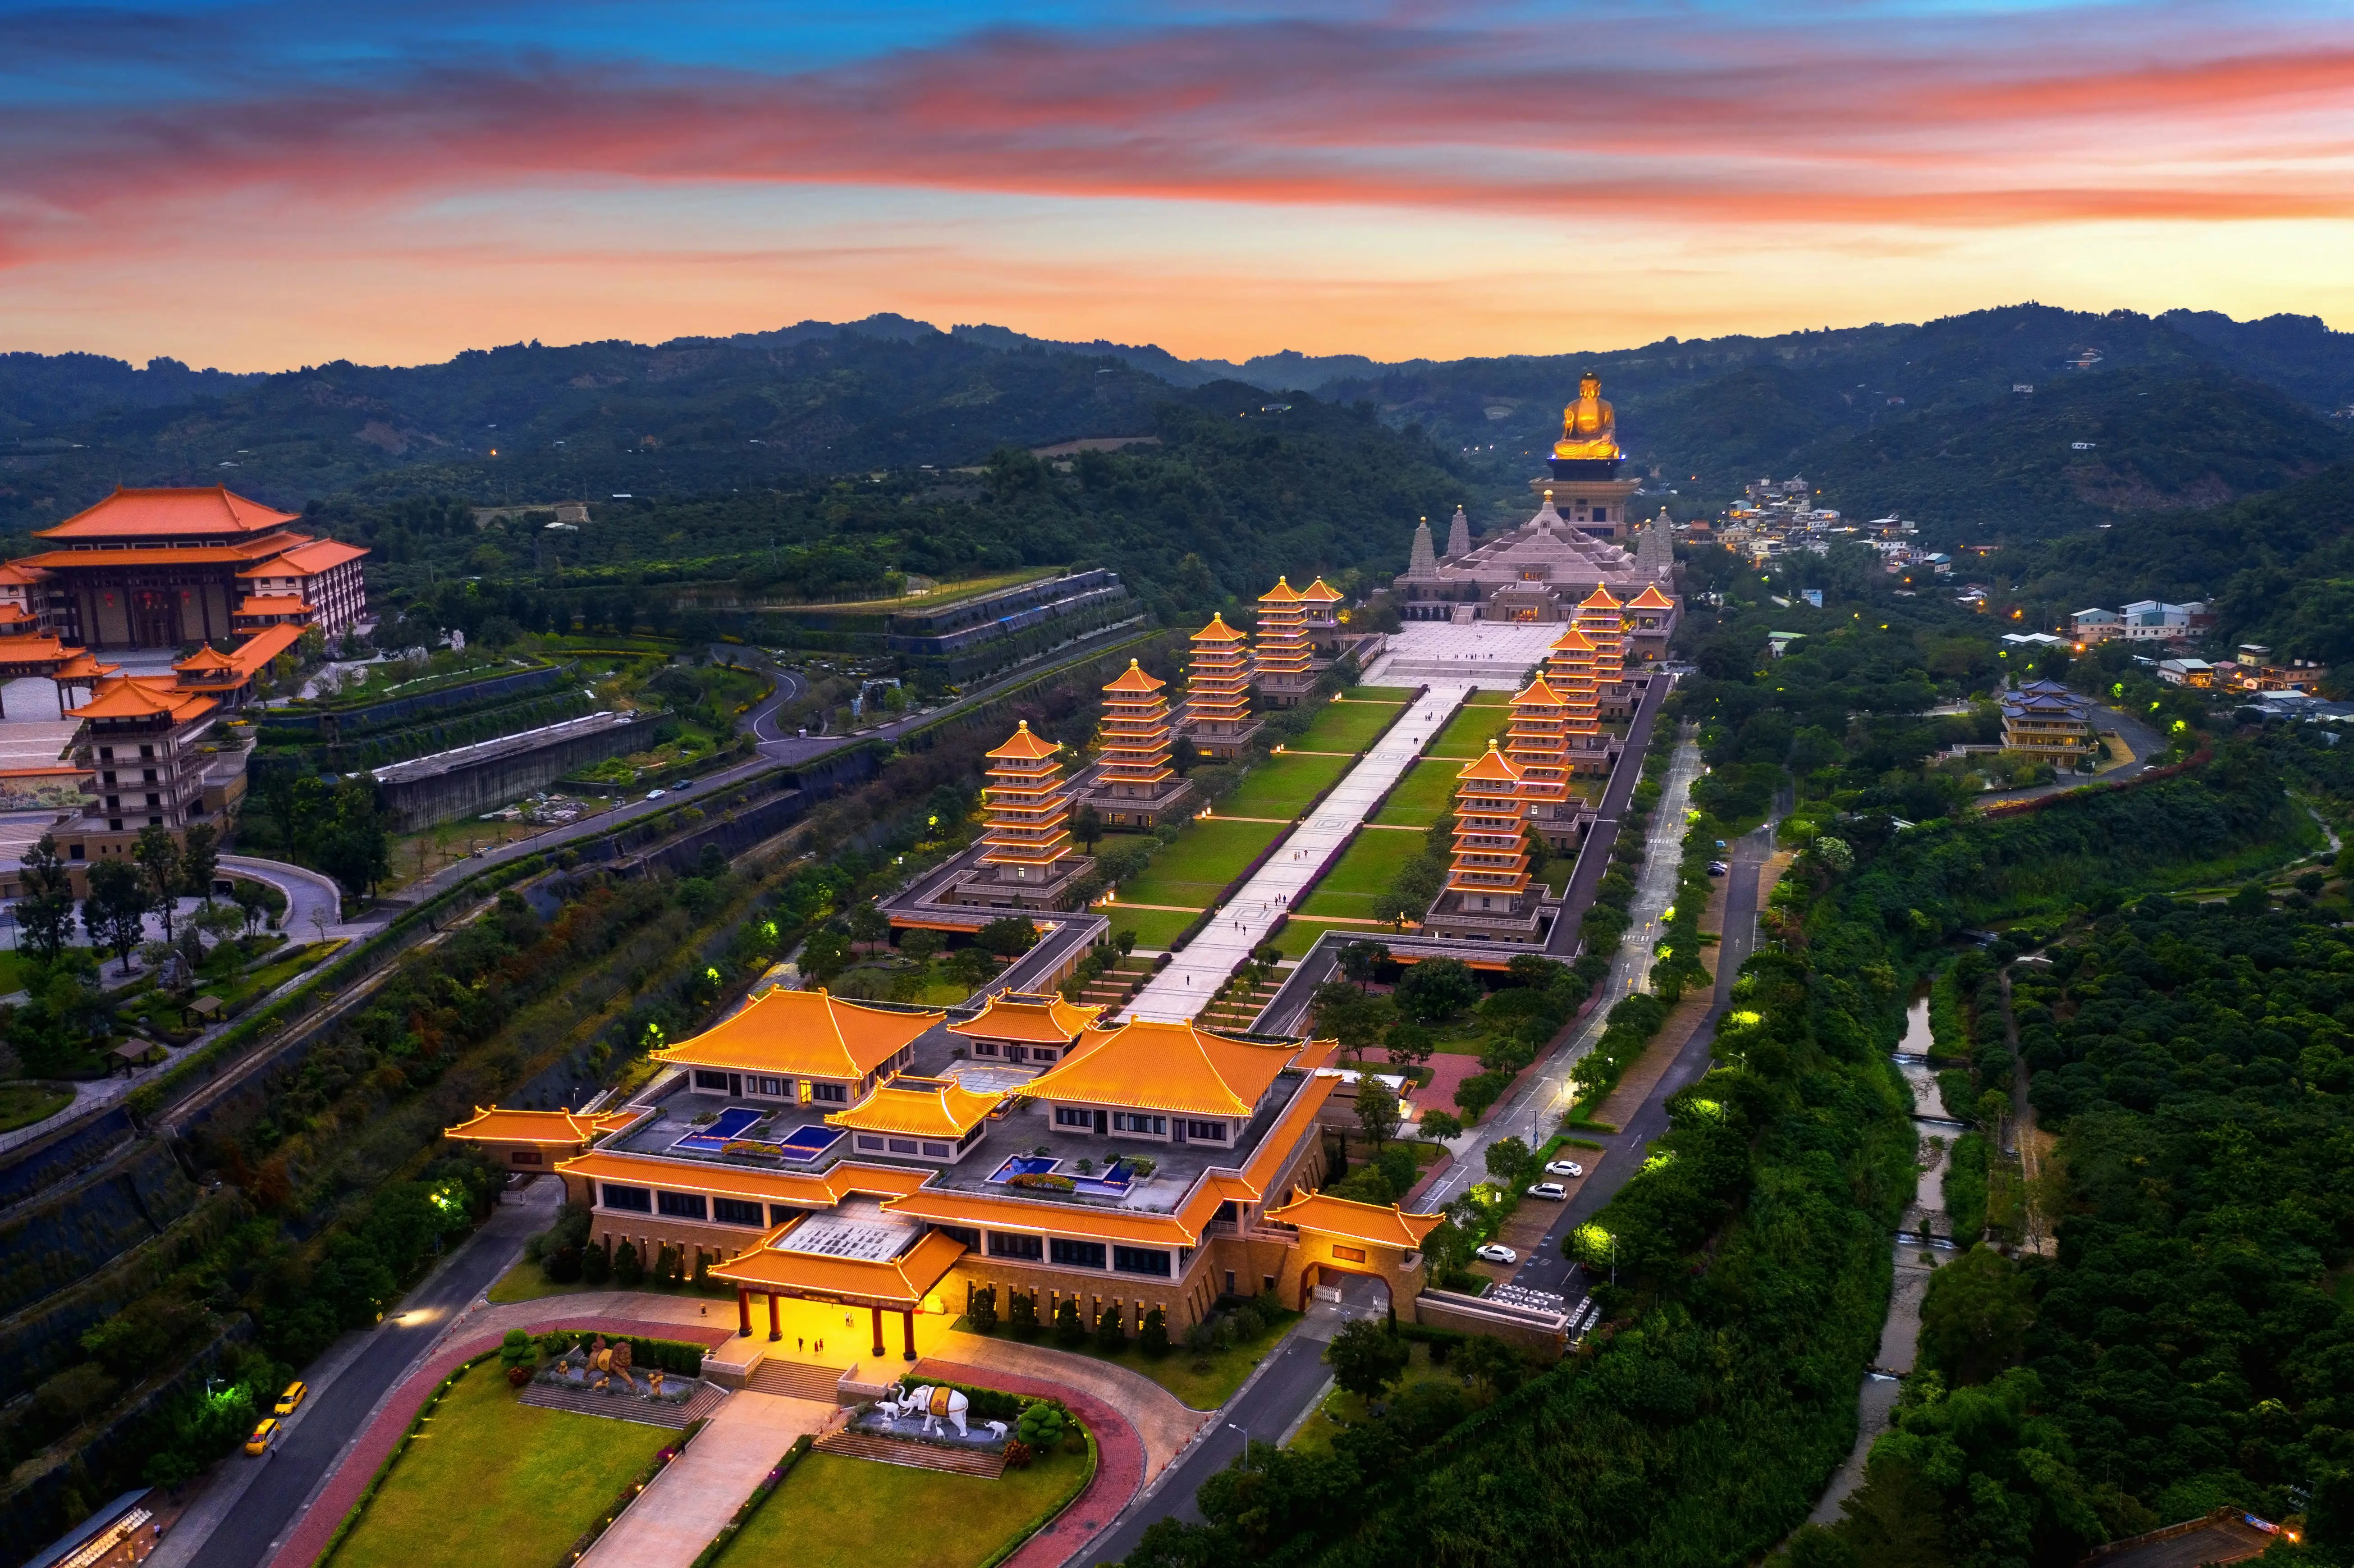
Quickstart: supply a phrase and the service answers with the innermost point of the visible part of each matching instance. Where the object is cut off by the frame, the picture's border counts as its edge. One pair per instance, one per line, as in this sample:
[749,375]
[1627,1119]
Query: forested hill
[2185,410]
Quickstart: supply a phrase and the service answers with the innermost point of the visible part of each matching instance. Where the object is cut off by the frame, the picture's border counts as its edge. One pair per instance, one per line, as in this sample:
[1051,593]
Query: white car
[1564,1168]
[1553,1190]
[1491,1253]
[656,794]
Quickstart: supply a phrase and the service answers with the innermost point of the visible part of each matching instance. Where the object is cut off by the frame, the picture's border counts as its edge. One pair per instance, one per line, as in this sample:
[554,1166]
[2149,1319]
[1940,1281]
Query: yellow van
[262,1434]
[293,1396]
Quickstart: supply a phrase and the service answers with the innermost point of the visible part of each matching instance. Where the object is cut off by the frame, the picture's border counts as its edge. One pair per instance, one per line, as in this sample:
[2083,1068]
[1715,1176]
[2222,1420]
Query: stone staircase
[624,1407]
[796,1380]
[915,1456]
[1237,1006]
[1112,988]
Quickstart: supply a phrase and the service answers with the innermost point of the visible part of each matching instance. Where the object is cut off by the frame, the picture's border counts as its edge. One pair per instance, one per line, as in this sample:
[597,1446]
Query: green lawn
[1347,726]
[1197,867]
[1283,785]
[1300,934]
[1202,1382]
[1378,694]
[1366,869]
[490,1479]
[22,1105]
[1468,737]
[834,1513]
[1154,928]
[12,971]
[1424,794]
[527,1282]
[1487,699]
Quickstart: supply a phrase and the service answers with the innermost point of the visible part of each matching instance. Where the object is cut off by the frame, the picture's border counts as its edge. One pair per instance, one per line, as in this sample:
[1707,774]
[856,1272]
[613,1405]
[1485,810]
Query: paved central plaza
[1493,655]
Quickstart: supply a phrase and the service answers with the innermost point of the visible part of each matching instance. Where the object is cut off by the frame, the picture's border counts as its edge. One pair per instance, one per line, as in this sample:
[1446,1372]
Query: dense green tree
[45,914]
[1975,1317]
[157,854]
[115,912]
[1366,1358]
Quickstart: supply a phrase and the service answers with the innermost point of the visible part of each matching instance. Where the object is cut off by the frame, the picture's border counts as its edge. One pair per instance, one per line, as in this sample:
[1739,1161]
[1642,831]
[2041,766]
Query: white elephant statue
[937,1404]
[997,1430]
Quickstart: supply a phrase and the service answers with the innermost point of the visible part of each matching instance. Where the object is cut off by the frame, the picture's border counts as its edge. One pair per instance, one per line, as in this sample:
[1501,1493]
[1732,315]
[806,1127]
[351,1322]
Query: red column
[776,1331]
[907,1329]
[878,1333]
[743,1312]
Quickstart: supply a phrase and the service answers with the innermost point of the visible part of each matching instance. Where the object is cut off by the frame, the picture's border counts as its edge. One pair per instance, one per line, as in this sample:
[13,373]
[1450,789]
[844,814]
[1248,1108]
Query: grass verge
[832,1512]
[487,1478]
[1202,1380]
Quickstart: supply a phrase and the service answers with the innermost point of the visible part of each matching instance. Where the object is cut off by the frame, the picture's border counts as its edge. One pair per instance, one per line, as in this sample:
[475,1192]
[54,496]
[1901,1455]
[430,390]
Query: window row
[1011,1052]
[764,1087]
[694,1206]
[1068,1254]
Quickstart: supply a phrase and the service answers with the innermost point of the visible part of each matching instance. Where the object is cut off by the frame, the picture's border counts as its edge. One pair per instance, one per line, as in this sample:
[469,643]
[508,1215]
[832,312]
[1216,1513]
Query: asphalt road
[1265,1410]
[1550,1268]
[337,1412]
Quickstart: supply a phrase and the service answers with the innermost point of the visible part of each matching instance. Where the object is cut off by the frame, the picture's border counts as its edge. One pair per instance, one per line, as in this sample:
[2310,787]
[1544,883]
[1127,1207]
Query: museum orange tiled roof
[815,1190]
[141,696]
[306,560]
[1166,1067]
[919,1107]
[493,1125]
[207,657]
[1379,1224]
[14,575]
[898,1284]
[271,604]
[1041,1215]
[82,666]
[139,555]
[1044,1020]
[1651,598]
[264,645]
[211,508]
[801,1034]
[40,648]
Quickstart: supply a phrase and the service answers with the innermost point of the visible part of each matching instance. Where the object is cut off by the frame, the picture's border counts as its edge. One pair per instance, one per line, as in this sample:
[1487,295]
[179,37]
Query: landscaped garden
[1210,854]
[1470,733]
[1154,928]
[1365,872]
[1424,792]
[1349,724]
[830,1511]
[1284,786]
[23,1104]
[487,1478]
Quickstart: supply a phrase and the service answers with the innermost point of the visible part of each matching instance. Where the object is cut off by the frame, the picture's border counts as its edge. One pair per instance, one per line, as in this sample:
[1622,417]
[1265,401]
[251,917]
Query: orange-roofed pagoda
[1217,692]
[1601,617]
[1539,748]
[1322,602]
[1569,670]
[164,567]
[1135,787]
[1490,896]
[1284,649]
[1026,861]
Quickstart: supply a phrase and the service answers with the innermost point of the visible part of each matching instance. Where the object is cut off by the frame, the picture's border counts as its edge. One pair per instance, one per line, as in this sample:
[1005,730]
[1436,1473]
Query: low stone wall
[1547,1333]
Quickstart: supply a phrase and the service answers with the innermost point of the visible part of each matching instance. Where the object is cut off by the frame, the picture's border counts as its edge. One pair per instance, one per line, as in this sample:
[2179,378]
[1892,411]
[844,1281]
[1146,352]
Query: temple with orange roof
[164,568]
[1149,1167]
[1217,692]
[1491,896]
[1135,785]
[1283,649]
[1026,861]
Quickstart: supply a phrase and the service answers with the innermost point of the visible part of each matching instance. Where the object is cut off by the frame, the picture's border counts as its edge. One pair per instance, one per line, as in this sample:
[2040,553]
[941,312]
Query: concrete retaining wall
[474,778]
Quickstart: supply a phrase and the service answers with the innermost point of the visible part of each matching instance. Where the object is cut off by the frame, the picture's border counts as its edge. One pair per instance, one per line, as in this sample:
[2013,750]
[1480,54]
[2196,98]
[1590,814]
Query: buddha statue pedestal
[1584,481]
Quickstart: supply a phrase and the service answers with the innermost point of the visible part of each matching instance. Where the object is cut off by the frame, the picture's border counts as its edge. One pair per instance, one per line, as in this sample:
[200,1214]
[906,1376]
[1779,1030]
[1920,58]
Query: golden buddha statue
[1589,427]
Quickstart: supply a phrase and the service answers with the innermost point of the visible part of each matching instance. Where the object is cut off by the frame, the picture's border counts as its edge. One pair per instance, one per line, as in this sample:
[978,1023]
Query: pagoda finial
[1021,726]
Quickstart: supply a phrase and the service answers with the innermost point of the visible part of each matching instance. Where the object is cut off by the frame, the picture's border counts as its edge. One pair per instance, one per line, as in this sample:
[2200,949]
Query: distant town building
[2050,722]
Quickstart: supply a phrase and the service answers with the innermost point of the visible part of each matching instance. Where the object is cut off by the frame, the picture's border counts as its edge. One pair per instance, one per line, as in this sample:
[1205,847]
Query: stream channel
[1920,1246]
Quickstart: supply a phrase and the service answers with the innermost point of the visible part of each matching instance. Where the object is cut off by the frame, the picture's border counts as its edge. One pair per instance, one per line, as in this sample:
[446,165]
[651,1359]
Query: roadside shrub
[1069,1330]
[983,1314]
[1154,1339]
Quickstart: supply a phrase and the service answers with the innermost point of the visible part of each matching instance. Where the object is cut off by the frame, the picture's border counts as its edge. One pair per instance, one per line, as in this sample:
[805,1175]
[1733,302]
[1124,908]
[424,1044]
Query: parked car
[1564,1168]
[1720,844]
[1553,1190]
[656,794]
[1717,868]
[289,1402]
[1491,1253]
[262,1435]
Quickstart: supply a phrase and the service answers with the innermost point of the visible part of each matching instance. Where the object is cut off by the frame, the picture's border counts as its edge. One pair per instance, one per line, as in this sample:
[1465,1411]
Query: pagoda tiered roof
[1046,1019]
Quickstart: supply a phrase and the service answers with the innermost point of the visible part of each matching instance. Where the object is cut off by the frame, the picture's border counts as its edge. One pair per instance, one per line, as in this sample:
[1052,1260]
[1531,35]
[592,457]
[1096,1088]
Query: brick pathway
[1120,1463]
[361,1461]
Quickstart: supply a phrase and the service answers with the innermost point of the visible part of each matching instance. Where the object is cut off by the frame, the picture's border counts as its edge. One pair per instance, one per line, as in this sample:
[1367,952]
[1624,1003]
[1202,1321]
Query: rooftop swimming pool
[714,1136]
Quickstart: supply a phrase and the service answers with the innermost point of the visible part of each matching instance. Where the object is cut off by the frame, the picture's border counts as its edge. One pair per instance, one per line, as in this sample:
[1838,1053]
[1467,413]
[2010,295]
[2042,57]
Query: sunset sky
[258,185]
